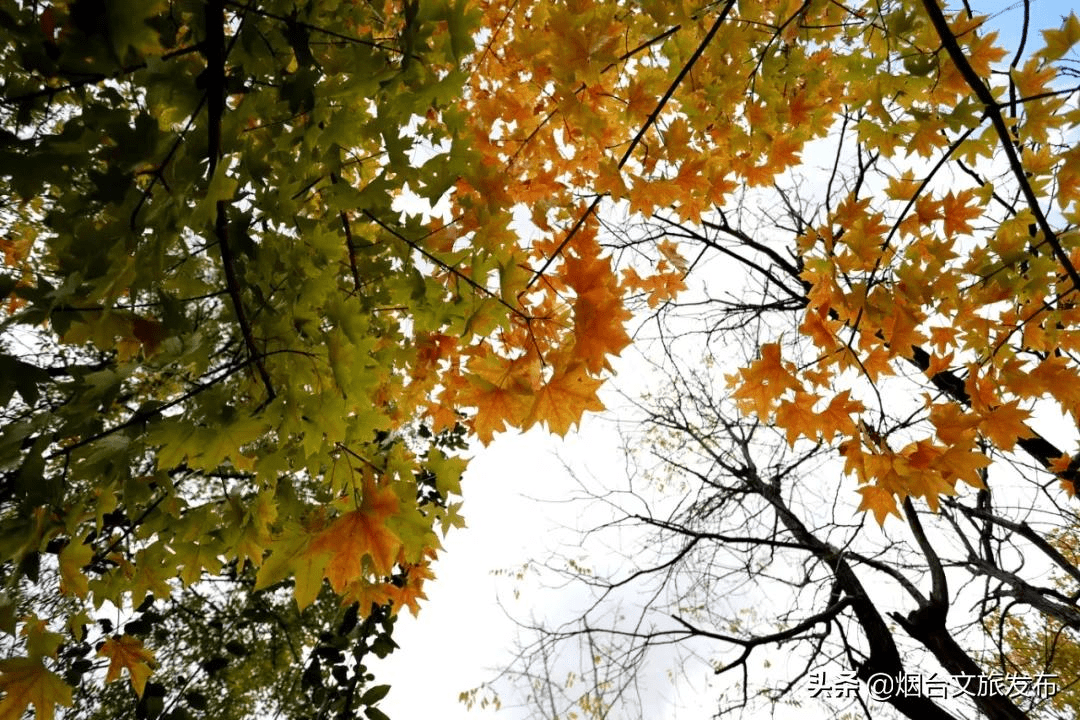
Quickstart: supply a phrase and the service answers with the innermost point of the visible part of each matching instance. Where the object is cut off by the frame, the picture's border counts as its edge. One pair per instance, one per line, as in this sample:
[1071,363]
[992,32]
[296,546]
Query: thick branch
[930,630]
[884,655]
[939,588]
[1036,597]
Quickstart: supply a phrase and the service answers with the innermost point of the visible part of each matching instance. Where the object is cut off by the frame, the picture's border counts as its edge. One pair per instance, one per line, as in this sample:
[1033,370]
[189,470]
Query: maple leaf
[410,594]
[368,593]
[982,53]
[647,196]
[127,653]
[957,212]
[784,152]
[837,417]
[1005,424]
[25,682]
[40,640]
[797,417]
[963,463]
[1033,77]
[359,533]
[952,425]
[598,328]
[73,558]
[1054,375]
[610,182]
[501,390]
[496,408]
[901,329]
[903,187]
[880,501]
[760,386]
[1059,42]
[561,402]
[817,325]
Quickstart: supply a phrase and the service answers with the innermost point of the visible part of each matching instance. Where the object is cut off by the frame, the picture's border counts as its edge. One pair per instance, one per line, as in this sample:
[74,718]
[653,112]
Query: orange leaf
[958,212]
[761,385]
[561,403]
[797,417]
[358,533]
[960,463]
[836,418]
[412,591]
[1005,424]
[982,53]
[598,328]
[496,408]
[880,501]
[127,653]
[953,425]
[501,390]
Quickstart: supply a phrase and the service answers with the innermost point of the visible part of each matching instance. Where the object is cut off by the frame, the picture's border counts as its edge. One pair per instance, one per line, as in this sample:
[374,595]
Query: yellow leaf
[308,569]
[127,653]
[27,682]
[40,641]
[73,558]
[1059,42]
[903,187]
[982,54]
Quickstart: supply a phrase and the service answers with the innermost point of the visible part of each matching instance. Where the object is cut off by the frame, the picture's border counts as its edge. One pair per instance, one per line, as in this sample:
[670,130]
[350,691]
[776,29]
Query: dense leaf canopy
[262,279]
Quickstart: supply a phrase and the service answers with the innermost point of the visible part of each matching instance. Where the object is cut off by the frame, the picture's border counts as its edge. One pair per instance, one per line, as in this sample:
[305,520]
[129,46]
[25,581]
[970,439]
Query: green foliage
[213,313]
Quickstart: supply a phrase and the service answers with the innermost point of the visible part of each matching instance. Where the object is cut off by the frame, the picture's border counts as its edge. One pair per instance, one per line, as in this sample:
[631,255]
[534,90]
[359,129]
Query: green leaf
[374,694]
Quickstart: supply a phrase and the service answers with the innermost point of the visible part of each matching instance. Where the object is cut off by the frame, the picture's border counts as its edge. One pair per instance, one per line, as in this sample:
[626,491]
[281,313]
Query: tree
[243,342]
[909,326]
[240,342]
[1043,644]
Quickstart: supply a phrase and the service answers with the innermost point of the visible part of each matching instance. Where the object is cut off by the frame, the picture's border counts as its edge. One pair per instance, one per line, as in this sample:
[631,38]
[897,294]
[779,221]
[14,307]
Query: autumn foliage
[266,265]
[665,117]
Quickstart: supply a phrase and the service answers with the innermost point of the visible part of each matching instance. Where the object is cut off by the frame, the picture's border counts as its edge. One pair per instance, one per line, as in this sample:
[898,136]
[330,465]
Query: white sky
[463,634]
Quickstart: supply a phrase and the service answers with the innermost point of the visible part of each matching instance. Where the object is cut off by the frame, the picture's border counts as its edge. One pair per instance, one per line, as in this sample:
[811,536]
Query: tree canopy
[889,318]
[269,266]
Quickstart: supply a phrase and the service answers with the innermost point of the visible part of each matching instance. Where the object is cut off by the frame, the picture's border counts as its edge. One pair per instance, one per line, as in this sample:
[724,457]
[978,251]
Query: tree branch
[948,40]
[215,111]
[637,138]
